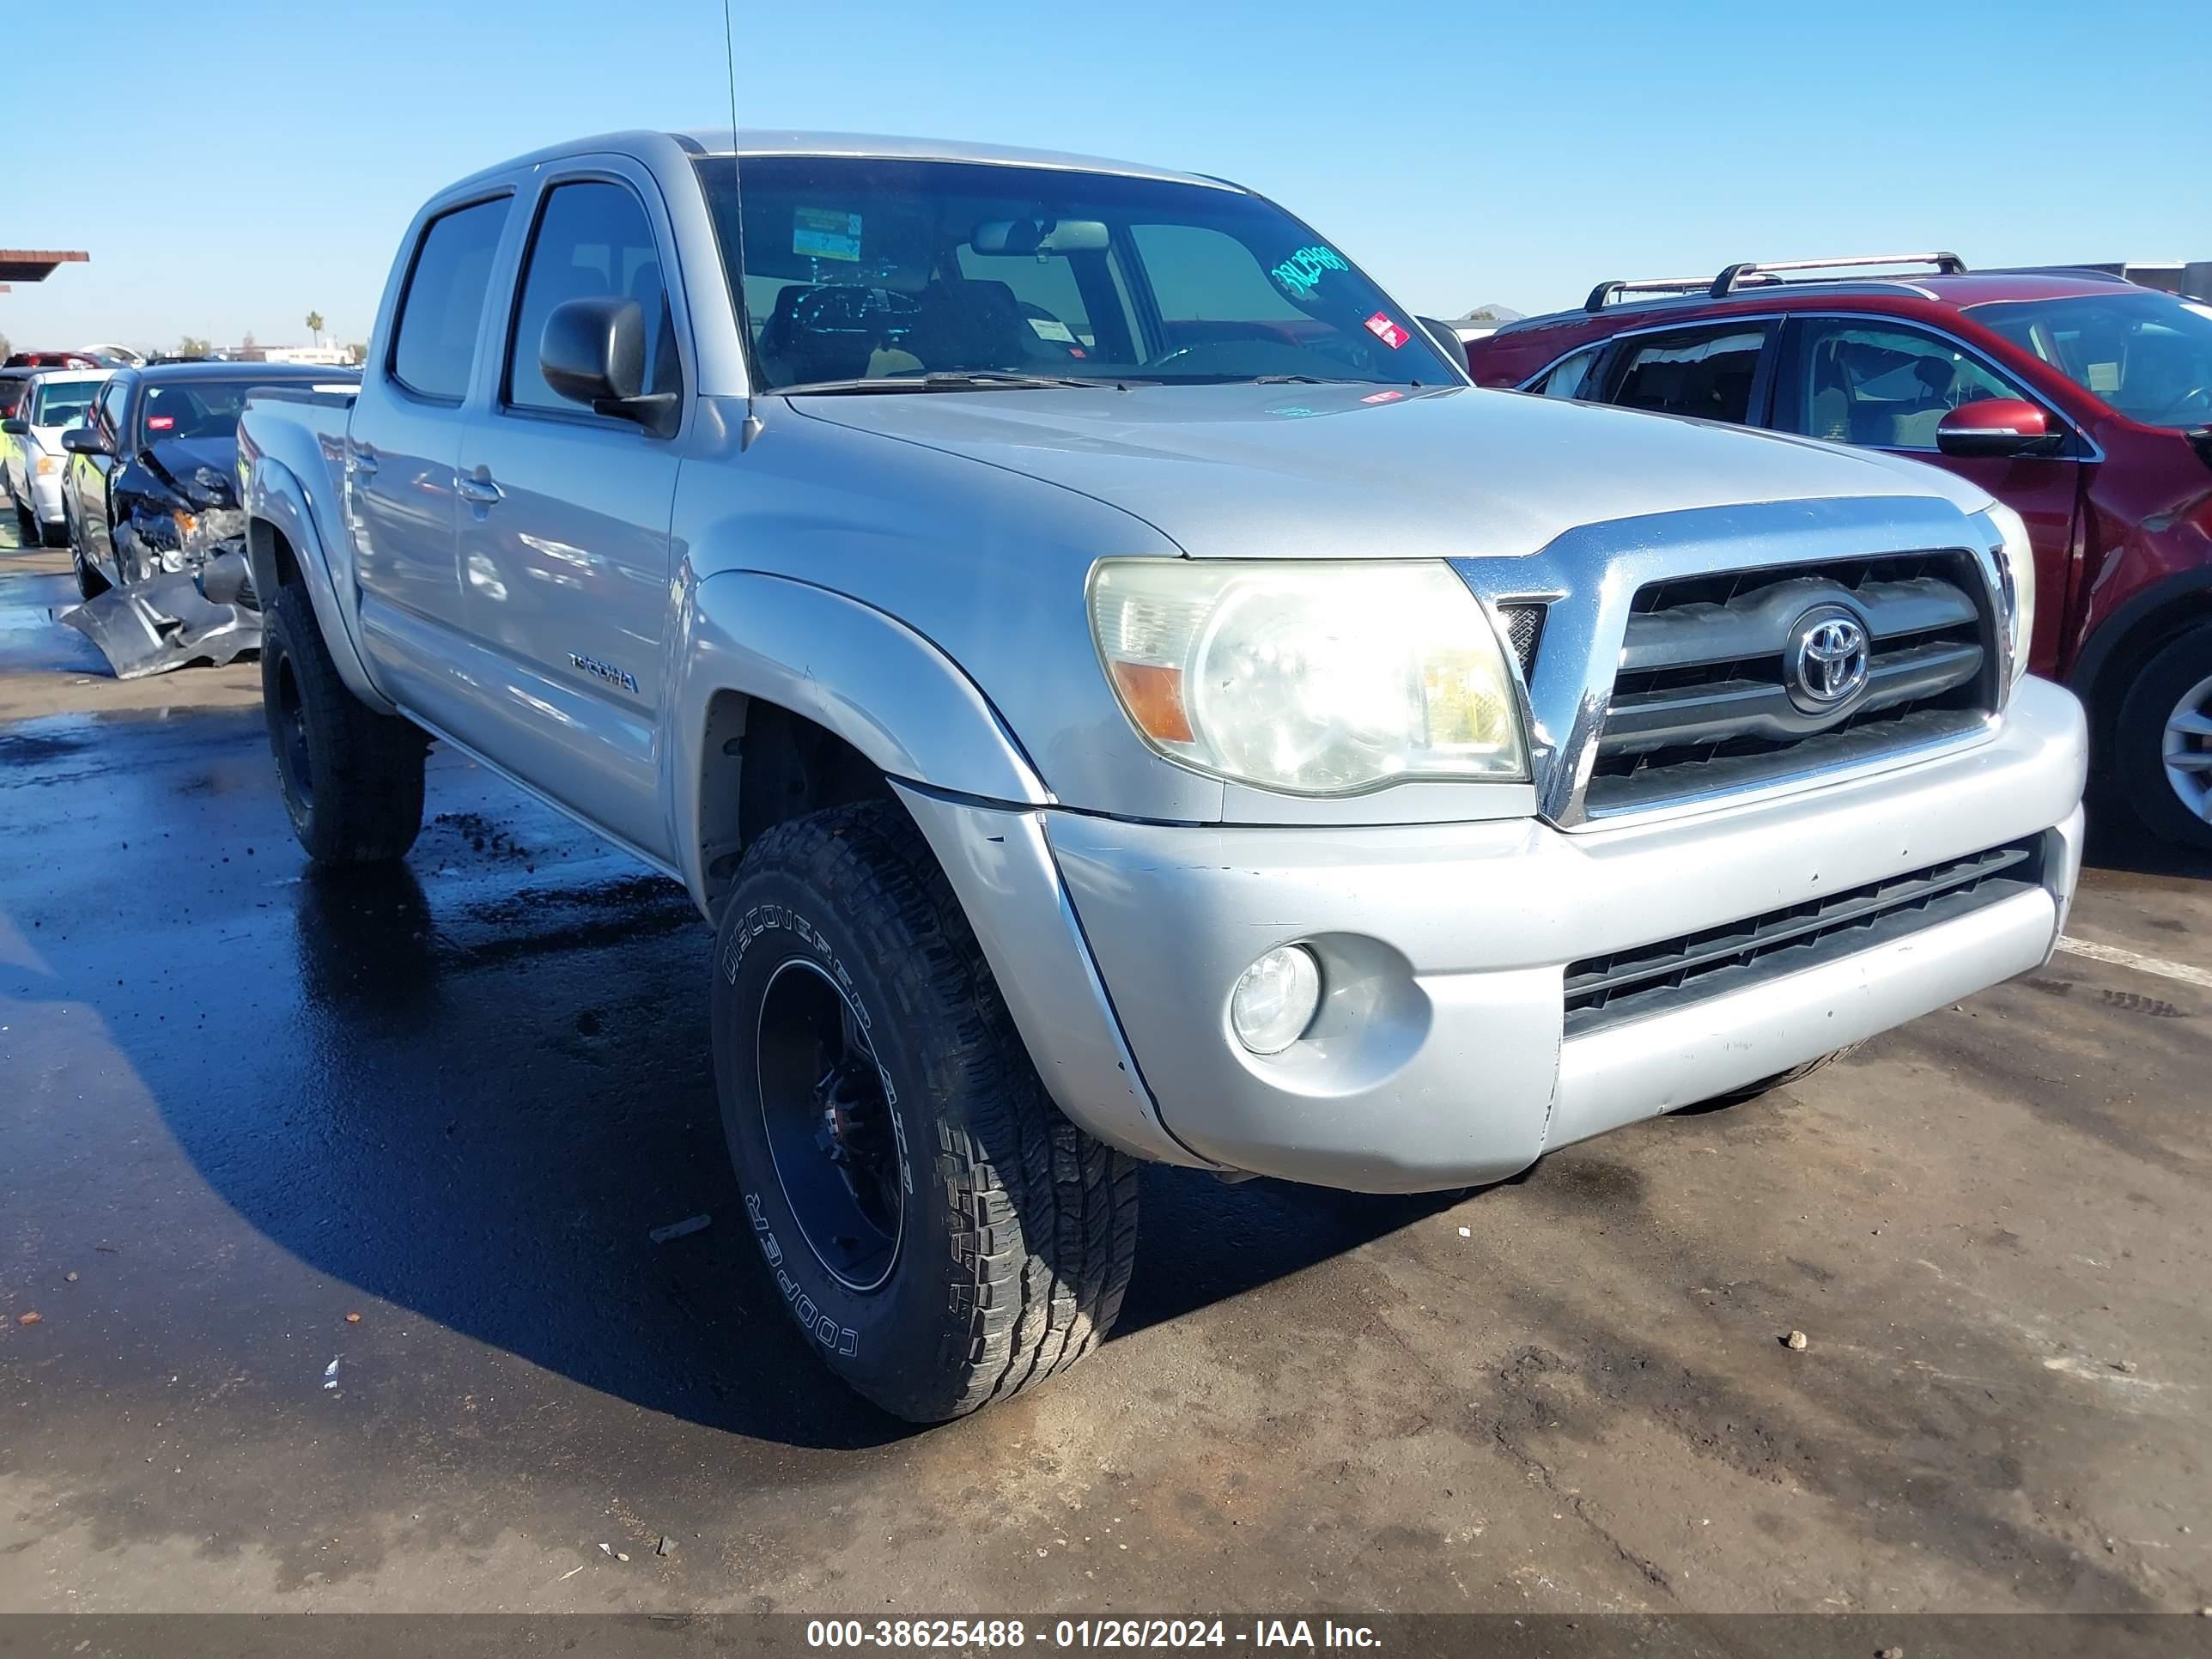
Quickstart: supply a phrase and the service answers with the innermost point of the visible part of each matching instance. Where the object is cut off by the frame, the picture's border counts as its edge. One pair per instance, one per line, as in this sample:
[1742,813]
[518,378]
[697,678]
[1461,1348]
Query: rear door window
[442,308]
[1709,372]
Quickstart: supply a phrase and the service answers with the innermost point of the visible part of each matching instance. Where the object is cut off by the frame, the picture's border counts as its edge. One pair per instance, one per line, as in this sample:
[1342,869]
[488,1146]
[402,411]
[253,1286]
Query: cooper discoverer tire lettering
[982,1241]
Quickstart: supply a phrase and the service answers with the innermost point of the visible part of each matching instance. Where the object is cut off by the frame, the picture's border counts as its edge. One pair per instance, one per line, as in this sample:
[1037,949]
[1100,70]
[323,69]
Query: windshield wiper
[965,379]
[1263,380]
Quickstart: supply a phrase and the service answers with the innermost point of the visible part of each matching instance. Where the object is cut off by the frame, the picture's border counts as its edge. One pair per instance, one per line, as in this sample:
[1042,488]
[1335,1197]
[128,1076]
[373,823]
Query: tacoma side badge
[612,675]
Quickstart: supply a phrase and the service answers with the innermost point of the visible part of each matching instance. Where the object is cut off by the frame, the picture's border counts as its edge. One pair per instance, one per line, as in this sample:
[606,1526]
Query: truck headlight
[1309,677]
[2016,574]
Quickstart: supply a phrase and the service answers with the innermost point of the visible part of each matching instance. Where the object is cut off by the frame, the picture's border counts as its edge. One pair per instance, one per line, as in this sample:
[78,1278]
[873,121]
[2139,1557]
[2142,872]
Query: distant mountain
[1490,316]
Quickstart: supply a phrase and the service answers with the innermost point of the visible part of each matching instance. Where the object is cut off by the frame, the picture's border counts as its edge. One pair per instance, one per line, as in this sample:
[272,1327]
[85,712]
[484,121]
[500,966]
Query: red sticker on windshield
[1388,332]
[159,422]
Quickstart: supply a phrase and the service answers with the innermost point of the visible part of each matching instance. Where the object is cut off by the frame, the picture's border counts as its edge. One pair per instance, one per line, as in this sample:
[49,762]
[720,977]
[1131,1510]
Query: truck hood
[1337,471]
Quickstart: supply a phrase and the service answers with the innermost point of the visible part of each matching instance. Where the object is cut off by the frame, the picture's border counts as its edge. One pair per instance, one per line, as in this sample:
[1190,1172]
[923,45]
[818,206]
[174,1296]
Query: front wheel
[90,584]
[941,1233]
[27,533]
[2163,741]
[352,778]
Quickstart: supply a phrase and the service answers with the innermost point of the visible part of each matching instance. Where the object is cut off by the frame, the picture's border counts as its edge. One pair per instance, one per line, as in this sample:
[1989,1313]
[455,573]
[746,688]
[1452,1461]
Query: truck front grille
[1705,700]
[1652,979]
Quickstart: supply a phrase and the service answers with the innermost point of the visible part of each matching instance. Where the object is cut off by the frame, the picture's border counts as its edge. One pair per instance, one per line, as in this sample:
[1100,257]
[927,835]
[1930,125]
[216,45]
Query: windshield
[195,409]
[2148,355]
[62,403]
[880,271]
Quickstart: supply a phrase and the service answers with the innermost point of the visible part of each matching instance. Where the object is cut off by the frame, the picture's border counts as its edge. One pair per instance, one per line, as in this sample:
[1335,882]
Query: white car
[53,401]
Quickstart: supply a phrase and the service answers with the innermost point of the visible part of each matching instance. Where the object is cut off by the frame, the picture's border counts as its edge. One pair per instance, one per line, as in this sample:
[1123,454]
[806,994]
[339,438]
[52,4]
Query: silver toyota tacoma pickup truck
[1119,693]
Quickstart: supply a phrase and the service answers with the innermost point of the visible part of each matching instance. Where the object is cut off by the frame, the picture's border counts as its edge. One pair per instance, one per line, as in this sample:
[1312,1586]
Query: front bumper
[1441,1057]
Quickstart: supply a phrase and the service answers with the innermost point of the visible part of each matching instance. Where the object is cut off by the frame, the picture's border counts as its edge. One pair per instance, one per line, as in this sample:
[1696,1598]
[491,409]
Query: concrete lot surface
[240,1103]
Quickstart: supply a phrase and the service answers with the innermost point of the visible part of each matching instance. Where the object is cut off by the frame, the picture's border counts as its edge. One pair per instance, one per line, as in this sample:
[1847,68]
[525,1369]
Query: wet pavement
[241,1102]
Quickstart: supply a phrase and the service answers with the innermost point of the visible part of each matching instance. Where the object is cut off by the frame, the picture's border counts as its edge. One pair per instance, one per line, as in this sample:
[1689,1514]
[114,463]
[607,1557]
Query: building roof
[34,265]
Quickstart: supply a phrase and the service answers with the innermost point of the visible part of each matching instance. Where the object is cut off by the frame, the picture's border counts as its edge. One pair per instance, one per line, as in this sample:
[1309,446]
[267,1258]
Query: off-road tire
[1019,1230]
[360,800]
[2138,738]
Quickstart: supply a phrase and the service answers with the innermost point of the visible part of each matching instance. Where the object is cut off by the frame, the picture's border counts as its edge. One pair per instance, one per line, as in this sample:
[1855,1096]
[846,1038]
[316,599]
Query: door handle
[361,458]
[480,490]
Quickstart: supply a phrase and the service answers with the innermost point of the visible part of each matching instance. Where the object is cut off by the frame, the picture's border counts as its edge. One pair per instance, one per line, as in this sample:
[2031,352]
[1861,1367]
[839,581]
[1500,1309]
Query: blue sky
[1461,152]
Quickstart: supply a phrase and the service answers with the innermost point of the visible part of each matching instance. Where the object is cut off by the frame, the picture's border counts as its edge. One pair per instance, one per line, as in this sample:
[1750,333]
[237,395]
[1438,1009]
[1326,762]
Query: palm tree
[315,325]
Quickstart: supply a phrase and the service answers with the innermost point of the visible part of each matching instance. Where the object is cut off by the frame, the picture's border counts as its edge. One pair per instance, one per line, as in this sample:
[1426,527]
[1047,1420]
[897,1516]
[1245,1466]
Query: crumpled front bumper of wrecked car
[187,596]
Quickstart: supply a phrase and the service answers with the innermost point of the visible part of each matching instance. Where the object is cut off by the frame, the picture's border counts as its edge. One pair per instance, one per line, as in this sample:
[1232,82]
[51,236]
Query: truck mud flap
[154,626]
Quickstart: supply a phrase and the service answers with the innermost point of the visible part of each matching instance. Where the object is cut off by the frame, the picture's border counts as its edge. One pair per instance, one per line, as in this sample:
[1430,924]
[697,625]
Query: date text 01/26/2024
[988,1634]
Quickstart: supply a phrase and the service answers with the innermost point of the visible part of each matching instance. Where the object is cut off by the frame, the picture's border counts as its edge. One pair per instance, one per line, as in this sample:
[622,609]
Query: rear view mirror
[83,440]
[15,427]
[1040,236]
[1998,426]
[593,353]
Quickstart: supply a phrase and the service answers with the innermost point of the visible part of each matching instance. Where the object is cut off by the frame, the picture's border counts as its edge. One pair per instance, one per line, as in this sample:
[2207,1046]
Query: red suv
[2081,401]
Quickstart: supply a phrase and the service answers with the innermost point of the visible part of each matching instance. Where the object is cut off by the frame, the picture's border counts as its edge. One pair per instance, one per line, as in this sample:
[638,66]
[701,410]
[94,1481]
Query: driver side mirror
[593,353]
[83,440]
[2000,427]
[15,427]
[1446,339]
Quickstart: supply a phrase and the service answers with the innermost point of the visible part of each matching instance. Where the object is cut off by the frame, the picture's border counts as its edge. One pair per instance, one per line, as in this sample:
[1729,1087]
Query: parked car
[2081,401]
[51,359]
[1120,692]
[150,502]
[14,383]
[51,401]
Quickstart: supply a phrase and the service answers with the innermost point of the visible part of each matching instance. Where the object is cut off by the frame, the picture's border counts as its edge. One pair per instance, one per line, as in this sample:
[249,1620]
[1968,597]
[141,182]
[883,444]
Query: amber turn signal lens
[1153,696]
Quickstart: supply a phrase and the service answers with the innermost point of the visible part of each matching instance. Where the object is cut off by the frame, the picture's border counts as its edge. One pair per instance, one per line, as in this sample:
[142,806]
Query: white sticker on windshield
[2104,377]
[1048,328]
[825,233]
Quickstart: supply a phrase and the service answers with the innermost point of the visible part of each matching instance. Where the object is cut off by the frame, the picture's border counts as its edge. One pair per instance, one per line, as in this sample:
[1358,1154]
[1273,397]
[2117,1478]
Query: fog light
[1274,1001]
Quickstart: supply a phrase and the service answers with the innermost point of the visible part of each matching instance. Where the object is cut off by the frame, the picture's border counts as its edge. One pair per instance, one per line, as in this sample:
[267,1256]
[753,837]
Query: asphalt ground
[242,1103]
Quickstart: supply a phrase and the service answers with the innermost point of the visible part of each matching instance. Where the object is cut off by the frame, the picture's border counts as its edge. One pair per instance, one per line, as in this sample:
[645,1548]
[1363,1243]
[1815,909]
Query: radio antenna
[752,425]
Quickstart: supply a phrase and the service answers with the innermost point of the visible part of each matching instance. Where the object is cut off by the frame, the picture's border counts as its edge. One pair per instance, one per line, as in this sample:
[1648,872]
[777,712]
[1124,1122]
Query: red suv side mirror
[1999,427]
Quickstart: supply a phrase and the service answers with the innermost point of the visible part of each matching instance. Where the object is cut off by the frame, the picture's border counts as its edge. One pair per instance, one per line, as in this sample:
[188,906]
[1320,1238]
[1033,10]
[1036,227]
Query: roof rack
[1747,273]
[2086,273]
[1605,293]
